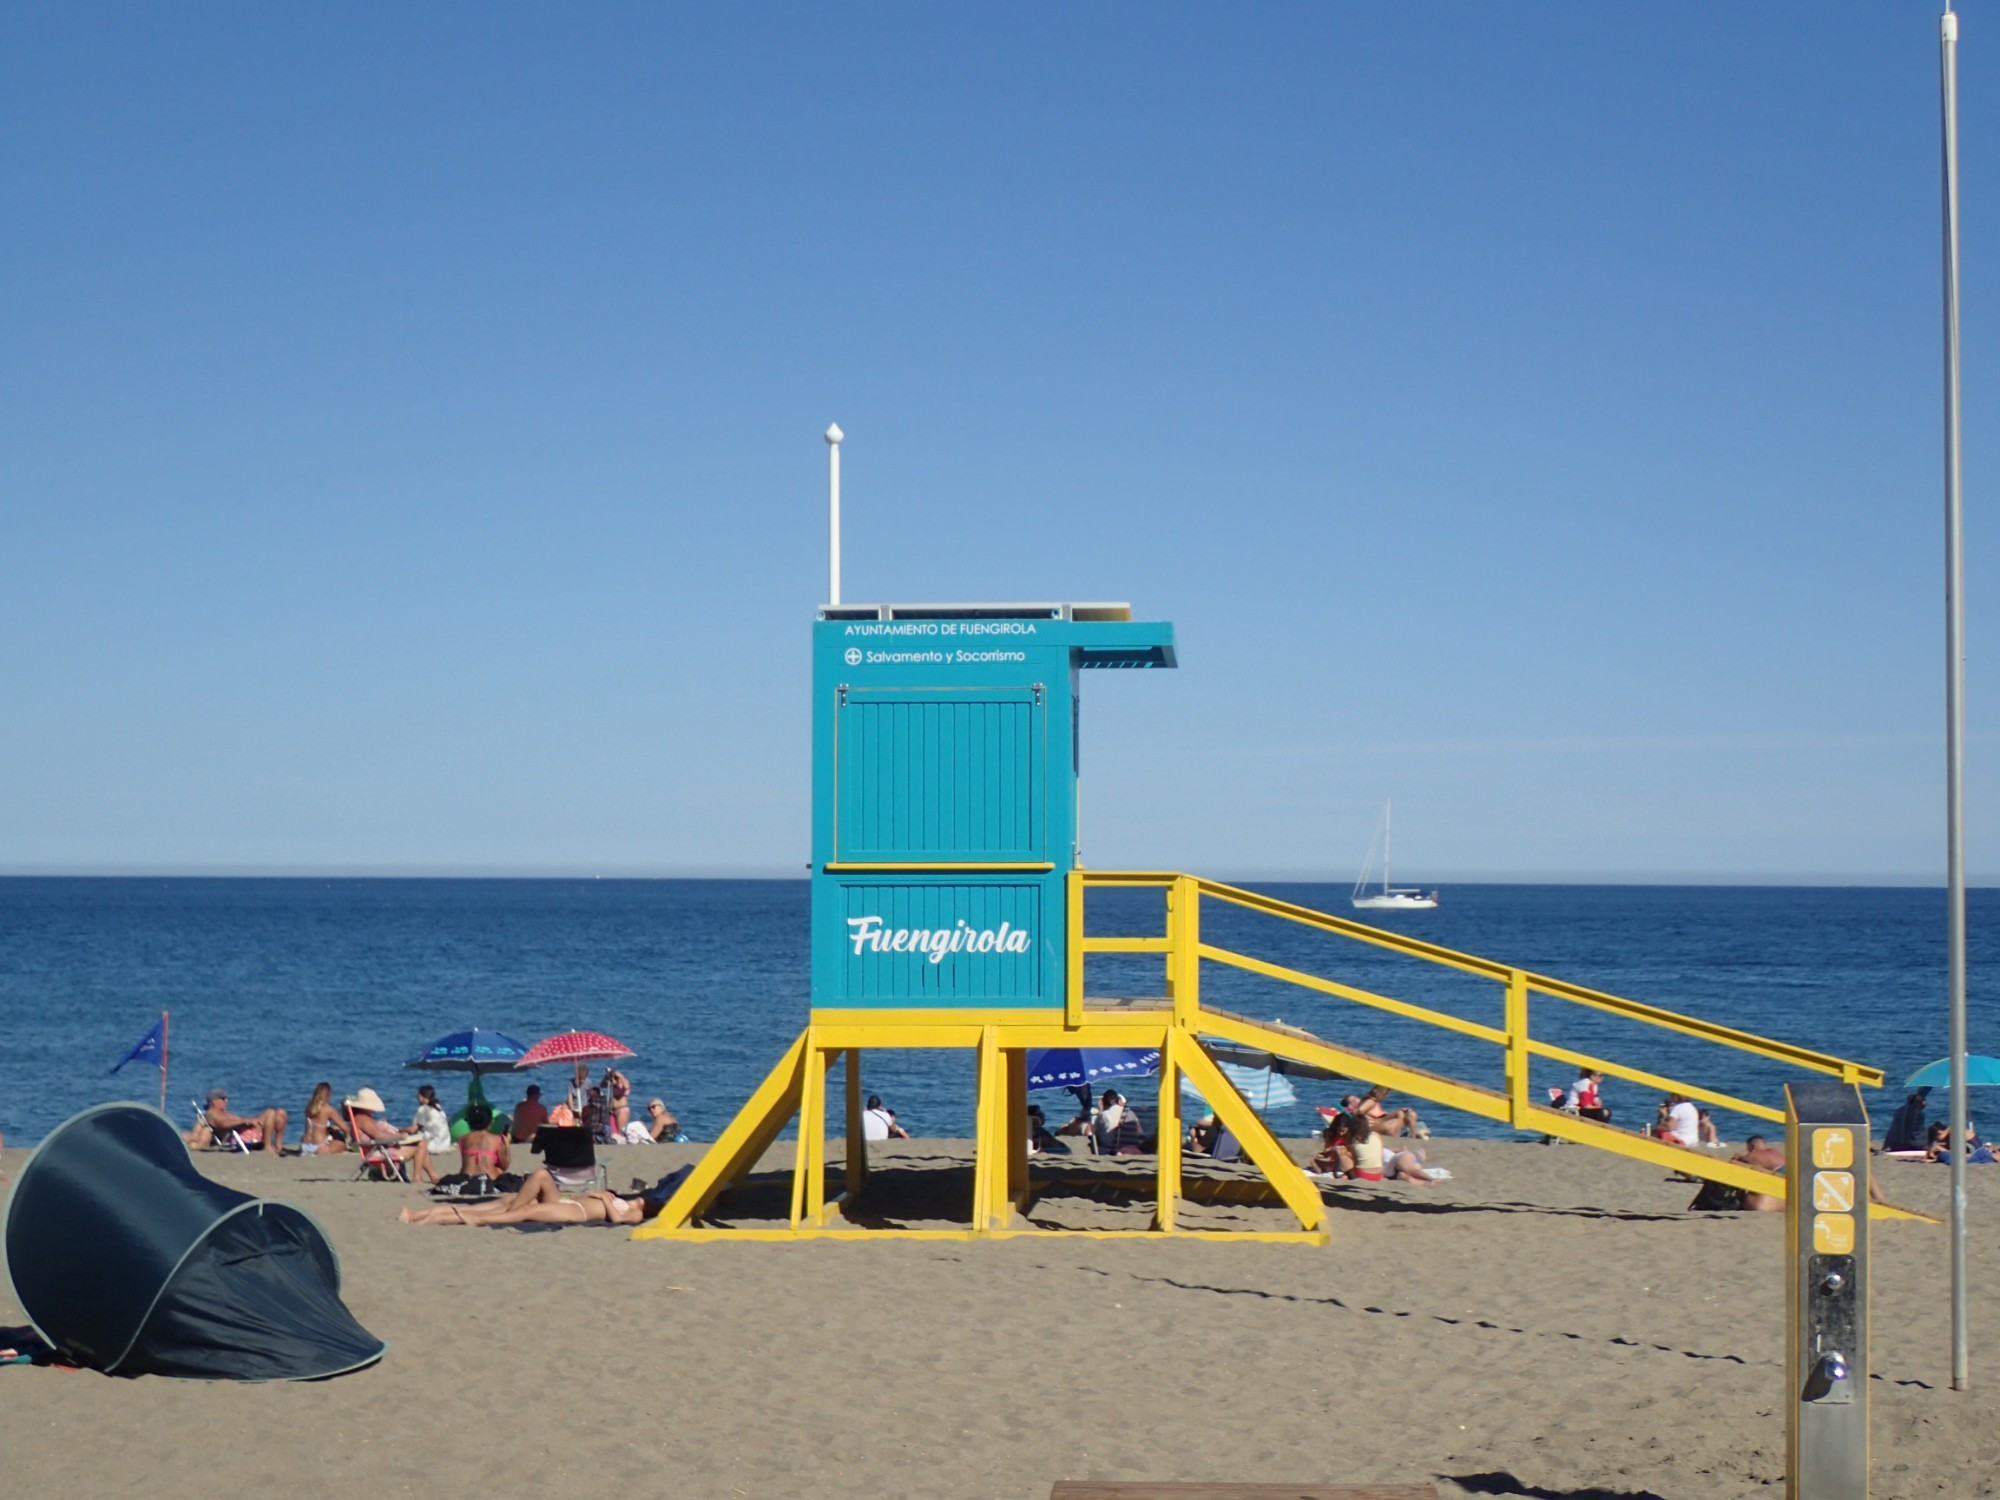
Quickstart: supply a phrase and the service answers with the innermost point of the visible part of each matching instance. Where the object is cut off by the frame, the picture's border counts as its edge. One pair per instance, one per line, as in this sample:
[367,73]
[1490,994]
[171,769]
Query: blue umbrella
[1080,1067]
[1979,1070]
[471,1051]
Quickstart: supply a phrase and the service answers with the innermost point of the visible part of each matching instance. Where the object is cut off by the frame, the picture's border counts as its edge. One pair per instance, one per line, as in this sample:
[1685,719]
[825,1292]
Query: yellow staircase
[1177,1022]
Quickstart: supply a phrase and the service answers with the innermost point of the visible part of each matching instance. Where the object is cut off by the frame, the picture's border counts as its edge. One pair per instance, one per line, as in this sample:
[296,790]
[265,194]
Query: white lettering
[868,935]
[963,657]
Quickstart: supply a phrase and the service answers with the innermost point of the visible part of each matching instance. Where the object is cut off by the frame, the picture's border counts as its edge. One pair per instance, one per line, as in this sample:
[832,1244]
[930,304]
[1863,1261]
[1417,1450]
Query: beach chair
[244,1140]
[570,1155]
[380,1161]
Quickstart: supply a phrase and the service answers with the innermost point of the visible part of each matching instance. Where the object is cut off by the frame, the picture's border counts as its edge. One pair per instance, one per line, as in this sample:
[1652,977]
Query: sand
[1549,1323]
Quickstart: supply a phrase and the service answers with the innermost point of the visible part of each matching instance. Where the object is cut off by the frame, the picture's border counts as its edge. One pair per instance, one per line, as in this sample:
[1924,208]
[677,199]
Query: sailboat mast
[1386,806]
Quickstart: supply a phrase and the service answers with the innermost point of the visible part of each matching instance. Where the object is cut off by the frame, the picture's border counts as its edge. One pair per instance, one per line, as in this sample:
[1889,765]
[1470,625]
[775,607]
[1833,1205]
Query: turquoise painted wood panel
[913,943]
[941,776]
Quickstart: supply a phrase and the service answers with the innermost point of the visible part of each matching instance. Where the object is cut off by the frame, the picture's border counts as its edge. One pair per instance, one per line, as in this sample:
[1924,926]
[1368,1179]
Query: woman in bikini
[323,1131]
[1373,1164]
[1387,1121]
[540,1201]
[480,1151]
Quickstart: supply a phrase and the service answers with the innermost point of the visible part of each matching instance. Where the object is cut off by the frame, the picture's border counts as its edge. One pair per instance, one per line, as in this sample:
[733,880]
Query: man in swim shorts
[268,1126]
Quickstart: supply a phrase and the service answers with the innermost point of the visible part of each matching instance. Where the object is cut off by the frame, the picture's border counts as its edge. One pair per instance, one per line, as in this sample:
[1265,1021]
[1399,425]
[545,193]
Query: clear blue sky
[409,423]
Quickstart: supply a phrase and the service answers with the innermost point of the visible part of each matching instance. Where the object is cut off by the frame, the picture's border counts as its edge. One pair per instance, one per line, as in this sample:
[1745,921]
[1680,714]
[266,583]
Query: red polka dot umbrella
[575,1046]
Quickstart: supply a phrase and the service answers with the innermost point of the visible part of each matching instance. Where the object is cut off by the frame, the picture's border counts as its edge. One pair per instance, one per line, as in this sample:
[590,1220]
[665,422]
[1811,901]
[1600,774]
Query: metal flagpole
[165,1030]
[833,437]
[1954,703]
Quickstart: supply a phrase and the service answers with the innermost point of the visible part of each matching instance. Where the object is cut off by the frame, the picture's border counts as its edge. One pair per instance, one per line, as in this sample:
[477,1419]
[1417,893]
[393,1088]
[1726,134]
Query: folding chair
[227,1140]
[571,1157]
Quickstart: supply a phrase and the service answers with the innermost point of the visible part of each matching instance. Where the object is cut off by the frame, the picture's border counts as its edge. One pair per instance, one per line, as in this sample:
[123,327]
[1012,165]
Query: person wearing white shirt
[1681,1122]
[879,1123]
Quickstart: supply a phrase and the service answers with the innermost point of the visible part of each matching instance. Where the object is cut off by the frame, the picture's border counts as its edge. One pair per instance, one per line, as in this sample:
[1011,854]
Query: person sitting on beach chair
[1107,1123]
[1586,1100]
[660,1125]
[376,1136]
[1390,1122]
[216,1125]
[541,1201]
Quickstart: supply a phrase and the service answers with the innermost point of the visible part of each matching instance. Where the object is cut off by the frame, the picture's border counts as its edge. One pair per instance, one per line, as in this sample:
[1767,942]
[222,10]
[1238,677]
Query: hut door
[940,776]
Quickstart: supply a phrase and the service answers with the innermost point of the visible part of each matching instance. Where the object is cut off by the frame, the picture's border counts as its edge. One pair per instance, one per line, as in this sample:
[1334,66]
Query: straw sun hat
[367,1099]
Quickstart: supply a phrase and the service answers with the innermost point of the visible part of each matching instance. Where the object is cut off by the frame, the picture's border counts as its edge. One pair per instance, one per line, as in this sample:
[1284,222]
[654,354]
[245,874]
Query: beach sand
[1548,1323]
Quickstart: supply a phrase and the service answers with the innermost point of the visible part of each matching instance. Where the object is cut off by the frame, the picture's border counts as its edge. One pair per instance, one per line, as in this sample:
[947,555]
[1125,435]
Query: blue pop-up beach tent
[127,1260]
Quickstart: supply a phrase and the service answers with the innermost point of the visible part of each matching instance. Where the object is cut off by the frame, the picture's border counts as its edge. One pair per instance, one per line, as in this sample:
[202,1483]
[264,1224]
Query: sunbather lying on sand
[540,1201]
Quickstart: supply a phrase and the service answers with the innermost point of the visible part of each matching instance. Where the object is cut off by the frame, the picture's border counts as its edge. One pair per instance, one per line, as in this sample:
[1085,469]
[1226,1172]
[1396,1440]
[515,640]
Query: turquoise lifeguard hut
[945,766]
[948,893]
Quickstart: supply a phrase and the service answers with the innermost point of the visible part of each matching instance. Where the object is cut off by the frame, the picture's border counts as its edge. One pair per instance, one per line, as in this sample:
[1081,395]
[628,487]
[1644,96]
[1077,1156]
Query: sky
[410,417]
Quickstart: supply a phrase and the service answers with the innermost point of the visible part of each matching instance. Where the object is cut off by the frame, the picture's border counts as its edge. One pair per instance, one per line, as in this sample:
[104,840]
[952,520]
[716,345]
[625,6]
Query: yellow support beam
[857,1135]
[1402,1008]
[1263,1148]
[1517,1048]
[808,1182]
[1230,1236]
[1468,1097]
[1143,1029]
[1016,1059]
[1655,1081]
[1073,967]
[1184,948]
[1170,1128]
[749,1135]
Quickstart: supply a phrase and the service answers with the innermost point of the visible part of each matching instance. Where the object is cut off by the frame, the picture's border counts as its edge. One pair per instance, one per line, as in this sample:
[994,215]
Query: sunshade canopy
[1980,1071]
[470,1052]
[128,1260]
[575,1046]
[1081,1067]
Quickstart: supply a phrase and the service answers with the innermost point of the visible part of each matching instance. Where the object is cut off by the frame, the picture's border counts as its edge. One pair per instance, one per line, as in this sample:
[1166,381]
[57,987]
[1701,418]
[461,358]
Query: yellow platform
[1177,1022]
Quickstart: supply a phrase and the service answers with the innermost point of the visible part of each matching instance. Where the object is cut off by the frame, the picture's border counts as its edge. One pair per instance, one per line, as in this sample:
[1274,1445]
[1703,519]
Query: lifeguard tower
[948,912]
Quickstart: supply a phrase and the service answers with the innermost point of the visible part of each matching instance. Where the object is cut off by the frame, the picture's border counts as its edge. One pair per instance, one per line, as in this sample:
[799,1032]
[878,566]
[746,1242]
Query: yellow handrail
[1183,949]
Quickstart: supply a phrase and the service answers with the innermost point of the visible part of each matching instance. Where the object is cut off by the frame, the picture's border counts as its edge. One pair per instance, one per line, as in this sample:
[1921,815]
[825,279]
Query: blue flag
[148,1048]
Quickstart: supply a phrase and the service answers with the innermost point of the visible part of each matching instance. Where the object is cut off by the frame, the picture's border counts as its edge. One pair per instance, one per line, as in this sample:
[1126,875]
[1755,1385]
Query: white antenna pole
[1954,599]
[833,437]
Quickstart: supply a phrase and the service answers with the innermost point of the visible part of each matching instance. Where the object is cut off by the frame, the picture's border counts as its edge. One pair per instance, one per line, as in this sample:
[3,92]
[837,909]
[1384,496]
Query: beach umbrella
[581,1048]
[574,1047]
[1262,1088]
[1979,1070]
[1258,1060]
[472,1051]
[1081,1067]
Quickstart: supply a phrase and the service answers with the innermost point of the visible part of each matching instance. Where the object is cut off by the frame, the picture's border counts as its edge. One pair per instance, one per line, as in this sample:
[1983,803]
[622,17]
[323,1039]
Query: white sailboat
[1389,897]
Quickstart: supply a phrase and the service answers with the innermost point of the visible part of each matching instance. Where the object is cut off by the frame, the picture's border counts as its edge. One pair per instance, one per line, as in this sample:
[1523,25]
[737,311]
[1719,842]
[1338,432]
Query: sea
[273,985]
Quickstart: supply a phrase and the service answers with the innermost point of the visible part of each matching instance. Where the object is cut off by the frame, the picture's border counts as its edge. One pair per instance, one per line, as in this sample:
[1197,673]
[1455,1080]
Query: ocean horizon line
[1754,879]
